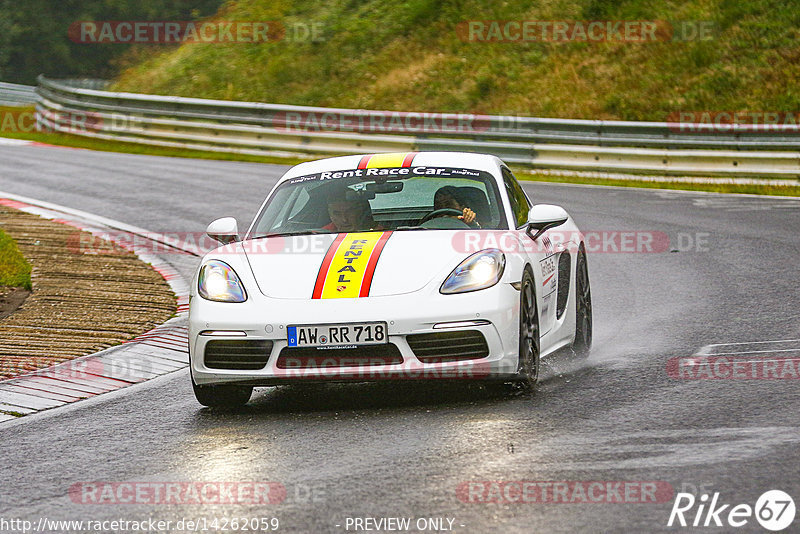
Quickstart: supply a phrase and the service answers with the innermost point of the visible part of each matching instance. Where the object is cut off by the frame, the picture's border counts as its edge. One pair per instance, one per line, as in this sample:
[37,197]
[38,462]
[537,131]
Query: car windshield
[403,198]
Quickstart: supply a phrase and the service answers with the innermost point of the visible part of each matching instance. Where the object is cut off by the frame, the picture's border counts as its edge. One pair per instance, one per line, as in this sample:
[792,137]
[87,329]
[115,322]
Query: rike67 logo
[774,510]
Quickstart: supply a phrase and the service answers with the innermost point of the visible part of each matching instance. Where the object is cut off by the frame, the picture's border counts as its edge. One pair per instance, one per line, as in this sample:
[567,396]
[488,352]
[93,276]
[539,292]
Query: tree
[34,34]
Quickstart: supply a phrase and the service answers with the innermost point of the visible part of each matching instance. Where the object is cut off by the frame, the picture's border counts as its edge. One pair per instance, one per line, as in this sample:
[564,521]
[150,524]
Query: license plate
[337,335]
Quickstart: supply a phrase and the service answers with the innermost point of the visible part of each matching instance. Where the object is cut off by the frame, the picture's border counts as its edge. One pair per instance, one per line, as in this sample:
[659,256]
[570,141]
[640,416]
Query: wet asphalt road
[374,450]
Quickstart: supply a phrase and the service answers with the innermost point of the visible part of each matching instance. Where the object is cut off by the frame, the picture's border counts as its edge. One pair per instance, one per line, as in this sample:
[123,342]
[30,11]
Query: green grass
[754,189]
[15,271]
[406,55]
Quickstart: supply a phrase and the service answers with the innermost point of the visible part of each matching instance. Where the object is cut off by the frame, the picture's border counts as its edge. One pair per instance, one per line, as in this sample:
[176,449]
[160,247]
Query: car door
[541,254]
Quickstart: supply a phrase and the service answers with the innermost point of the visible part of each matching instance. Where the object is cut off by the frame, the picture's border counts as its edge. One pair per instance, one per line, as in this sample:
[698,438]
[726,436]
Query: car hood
[406,261]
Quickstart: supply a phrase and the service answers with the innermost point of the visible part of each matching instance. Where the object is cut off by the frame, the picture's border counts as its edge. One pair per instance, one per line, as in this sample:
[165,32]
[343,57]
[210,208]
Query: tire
[222,396]
[583,308]
[528,366]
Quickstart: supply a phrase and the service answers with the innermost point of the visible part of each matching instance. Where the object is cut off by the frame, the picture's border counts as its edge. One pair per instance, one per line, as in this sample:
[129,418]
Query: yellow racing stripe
[381,161]
[351,265]
[385,161]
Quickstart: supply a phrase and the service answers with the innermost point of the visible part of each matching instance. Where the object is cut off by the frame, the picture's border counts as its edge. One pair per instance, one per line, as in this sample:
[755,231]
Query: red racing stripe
[364,161]
[373,261]
[326,263]
[408,159]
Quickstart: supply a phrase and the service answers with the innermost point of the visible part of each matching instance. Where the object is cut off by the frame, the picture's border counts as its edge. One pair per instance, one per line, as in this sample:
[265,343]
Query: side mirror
[224,230]
[542,217]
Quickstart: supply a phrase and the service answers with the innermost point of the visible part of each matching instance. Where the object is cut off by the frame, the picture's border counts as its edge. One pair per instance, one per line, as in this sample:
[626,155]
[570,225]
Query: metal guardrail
[85,83]
[12,94]
[273,129]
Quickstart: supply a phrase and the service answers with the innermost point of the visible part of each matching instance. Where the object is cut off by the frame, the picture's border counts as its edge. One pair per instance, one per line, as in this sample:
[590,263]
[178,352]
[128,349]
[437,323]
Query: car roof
[462,160]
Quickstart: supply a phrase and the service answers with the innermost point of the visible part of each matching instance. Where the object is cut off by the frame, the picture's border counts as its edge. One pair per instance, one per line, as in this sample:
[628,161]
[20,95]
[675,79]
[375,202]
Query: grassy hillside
[406,55]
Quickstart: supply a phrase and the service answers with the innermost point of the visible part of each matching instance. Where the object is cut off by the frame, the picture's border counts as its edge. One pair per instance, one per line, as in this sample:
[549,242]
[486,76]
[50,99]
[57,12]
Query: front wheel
[222,396]
[583,308]
[528,366]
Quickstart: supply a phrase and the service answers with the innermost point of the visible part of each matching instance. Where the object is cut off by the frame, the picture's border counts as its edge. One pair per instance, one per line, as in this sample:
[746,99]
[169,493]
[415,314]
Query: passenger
[349,214]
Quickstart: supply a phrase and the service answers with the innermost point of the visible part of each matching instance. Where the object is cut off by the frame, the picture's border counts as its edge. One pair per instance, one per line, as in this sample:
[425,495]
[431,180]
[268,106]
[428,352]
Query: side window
[519,202]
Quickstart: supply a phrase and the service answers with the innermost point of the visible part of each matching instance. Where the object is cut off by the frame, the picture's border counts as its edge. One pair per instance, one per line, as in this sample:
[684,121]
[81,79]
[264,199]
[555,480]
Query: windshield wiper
[289,234]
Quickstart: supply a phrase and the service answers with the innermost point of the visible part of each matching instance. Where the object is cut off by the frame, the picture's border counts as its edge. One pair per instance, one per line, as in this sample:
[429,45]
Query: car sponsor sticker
[403,170]
[349,265]
[549,274]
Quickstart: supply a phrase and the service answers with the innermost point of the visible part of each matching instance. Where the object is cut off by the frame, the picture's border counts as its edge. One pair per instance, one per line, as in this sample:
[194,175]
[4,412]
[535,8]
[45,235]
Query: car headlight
[218,281]
[481,270]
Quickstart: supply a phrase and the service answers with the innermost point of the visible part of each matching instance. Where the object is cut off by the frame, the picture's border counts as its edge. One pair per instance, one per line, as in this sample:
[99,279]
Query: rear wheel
[528,366]
[222,396]
[583,308]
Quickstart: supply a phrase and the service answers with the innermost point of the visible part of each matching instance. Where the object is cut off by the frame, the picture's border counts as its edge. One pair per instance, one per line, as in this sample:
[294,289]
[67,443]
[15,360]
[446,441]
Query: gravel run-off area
[87,295]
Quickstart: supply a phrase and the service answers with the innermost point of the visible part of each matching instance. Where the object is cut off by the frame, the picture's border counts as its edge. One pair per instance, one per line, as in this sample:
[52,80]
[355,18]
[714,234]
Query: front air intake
[448,346]
[564,262]
[240,354]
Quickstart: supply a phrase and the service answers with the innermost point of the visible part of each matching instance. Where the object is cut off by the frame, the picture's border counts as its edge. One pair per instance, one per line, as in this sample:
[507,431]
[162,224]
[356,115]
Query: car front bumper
[493,312]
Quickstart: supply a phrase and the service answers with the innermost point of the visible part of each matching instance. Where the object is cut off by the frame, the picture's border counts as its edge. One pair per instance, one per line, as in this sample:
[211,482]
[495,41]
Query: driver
[348,214]
[447,197]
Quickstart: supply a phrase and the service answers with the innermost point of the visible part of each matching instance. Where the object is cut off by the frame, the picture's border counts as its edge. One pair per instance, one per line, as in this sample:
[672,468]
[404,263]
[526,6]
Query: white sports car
[429,265]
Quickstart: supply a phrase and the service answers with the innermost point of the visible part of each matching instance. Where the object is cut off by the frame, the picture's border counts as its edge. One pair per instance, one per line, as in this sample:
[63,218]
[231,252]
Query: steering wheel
[439,213]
